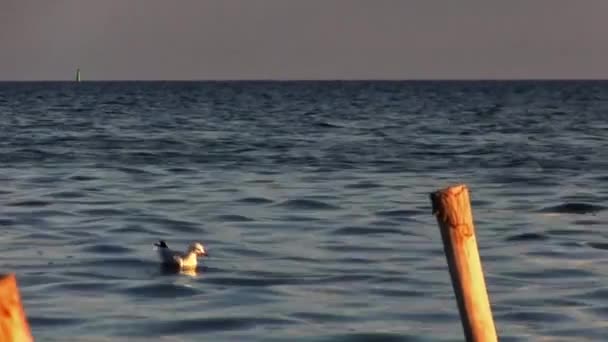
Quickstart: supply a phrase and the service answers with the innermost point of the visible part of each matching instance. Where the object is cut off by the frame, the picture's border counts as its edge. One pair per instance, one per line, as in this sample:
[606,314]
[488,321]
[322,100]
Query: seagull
[182,260]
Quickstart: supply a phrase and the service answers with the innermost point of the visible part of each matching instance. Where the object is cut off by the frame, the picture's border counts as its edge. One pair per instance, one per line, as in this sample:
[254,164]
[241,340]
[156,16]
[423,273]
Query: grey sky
[303,39]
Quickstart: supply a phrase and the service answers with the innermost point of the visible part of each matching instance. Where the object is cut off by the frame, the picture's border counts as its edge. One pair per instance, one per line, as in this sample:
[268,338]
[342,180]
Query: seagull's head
[198,249]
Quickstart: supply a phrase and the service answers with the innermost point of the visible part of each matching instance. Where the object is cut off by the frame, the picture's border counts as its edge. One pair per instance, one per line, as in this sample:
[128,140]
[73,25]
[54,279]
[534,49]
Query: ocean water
[312,199]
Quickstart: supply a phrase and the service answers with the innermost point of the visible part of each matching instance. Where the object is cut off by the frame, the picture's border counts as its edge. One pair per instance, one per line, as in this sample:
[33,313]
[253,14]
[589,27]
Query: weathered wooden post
[13,324]
[452,208]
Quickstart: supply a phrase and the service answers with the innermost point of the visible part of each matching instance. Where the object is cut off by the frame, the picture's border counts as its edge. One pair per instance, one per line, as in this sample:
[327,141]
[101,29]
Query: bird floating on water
[189,259]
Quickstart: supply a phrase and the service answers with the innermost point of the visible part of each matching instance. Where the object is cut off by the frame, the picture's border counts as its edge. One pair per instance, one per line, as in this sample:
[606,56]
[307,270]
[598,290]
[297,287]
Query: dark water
[312,199]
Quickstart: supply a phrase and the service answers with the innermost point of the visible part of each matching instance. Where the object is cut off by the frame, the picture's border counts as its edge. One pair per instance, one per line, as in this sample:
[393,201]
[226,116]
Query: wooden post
[452,208]
[13,324]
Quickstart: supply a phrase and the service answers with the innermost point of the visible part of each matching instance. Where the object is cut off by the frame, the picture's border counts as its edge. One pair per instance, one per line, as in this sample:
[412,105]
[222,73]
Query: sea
[312,200]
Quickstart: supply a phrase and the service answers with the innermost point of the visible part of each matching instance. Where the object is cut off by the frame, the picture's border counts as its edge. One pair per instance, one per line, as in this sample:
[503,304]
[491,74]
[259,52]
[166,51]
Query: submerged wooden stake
[13,324]
[452,208]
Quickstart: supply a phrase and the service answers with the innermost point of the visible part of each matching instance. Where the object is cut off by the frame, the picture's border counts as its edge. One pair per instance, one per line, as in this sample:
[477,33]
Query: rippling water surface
[312,199]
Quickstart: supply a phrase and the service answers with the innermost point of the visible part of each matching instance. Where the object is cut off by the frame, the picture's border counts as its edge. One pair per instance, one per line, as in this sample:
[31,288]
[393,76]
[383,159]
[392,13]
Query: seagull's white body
[189,259]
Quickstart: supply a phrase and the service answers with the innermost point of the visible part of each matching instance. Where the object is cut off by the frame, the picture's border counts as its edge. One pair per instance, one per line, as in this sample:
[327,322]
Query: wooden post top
[452,206]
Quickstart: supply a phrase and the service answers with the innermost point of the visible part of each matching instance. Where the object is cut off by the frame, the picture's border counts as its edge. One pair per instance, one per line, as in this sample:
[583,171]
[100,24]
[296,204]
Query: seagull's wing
[177,259]
[168,256]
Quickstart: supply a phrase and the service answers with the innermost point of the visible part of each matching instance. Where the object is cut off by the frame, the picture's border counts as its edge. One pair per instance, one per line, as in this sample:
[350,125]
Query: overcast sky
[303,39]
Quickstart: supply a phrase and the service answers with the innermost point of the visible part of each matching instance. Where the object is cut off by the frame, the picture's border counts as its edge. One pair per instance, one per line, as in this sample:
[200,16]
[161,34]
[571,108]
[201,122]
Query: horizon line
[315,80]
